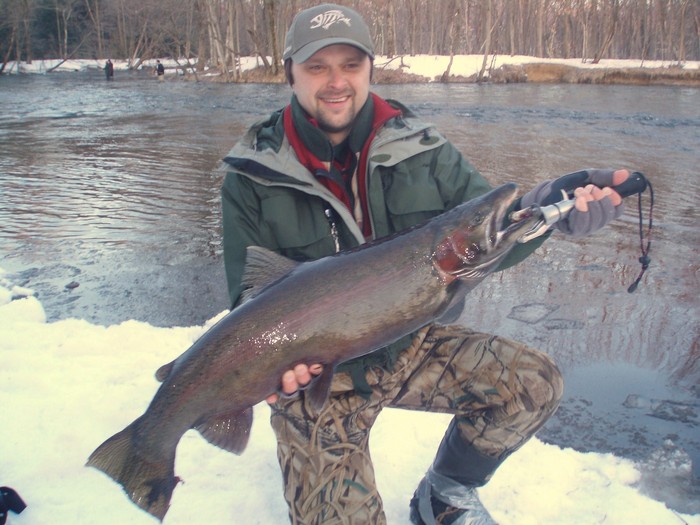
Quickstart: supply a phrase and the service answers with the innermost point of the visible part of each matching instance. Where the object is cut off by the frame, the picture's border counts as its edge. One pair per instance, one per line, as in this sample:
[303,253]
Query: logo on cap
[327,19]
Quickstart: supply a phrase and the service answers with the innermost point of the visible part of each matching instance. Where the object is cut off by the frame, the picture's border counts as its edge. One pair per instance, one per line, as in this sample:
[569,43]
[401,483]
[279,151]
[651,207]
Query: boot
[447,494]
[463,506]
[10,501]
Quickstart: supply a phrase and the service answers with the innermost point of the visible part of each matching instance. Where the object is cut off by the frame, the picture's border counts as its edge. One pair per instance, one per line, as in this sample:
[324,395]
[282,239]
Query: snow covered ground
[68,385]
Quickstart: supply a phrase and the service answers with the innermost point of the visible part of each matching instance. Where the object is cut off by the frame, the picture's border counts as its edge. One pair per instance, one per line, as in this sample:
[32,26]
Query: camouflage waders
[500,391]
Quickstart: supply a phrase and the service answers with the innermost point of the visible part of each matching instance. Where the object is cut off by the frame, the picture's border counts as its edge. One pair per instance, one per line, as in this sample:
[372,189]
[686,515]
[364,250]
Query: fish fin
[318,389]
[149,482]
[262,268]
[230,431]
[164,371]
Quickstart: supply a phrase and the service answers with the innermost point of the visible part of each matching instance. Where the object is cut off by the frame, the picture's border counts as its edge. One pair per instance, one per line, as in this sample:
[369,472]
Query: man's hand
[293,380]
[596,201]
[593,193]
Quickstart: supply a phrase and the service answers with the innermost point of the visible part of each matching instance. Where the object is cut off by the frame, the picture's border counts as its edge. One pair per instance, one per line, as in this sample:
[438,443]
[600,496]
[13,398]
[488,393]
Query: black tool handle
[635,183]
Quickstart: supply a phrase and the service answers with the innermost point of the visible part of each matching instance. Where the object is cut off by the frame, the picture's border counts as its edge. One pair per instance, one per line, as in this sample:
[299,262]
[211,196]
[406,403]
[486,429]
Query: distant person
[160,70]
[109,70]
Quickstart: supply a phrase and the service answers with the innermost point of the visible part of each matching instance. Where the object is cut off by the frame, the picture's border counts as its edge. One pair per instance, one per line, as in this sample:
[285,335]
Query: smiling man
[339,166]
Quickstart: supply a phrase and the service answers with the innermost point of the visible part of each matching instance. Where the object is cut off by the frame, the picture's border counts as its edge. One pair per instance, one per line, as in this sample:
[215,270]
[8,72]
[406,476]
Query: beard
[336,123]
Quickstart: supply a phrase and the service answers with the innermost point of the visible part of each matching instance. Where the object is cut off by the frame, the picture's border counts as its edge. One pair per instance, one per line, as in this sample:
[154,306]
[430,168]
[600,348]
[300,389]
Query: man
[109,69]
[160,70]
[336,167]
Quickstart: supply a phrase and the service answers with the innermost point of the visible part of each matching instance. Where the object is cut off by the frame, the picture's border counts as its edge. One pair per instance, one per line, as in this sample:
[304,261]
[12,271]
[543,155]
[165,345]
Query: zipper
[330,216]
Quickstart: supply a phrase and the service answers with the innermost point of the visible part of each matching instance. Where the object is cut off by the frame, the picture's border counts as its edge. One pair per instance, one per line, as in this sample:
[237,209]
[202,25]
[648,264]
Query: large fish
[325,311]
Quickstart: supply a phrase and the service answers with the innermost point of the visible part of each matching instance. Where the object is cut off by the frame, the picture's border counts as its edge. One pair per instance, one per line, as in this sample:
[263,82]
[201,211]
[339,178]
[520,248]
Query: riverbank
[514,69]
[519,69]
[406,69]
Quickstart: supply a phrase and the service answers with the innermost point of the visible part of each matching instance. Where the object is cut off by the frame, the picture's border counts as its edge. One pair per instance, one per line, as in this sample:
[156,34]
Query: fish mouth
[475,250]
[514,231]
[498,237]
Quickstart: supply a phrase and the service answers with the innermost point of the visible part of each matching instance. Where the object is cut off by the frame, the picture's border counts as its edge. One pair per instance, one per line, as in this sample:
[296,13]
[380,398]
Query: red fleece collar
[383,112]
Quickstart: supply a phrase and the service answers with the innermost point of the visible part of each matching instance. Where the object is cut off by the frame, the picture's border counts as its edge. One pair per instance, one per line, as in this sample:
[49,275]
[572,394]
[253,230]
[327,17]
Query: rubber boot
[447,494]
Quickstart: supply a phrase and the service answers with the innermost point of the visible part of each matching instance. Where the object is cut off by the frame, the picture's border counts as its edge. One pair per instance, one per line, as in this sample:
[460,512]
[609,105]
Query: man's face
[332,86]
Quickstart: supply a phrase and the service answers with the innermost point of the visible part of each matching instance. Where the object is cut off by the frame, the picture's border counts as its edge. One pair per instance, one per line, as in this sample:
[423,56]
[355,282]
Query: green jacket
[269,199]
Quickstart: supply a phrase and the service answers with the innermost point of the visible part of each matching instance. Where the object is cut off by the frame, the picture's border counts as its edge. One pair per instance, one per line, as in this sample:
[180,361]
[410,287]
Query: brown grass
[561,74]
[543,73]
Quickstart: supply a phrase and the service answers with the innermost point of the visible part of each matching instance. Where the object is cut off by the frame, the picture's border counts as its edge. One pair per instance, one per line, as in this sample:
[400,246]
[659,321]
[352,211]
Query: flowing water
[109,210]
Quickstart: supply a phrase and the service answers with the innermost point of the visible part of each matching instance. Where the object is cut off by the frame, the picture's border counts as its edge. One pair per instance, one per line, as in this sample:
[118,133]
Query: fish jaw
[477,242]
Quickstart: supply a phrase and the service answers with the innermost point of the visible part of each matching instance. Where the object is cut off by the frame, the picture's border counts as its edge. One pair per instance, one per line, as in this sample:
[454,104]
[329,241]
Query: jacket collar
[264,144]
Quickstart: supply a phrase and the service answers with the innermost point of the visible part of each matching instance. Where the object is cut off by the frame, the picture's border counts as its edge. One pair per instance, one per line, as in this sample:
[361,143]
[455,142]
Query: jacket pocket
[412,196]
[297,224]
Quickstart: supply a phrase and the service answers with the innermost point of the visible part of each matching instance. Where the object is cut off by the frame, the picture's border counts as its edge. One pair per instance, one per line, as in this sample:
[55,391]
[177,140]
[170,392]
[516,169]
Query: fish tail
[148,482]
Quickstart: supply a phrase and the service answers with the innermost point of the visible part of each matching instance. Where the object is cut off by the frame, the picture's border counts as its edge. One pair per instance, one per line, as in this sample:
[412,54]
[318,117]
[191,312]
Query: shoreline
[424,69]
[534,73]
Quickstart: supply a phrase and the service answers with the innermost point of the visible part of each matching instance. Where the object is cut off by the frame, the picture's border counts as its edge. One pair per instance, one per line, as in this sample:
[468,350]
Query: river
[109,210]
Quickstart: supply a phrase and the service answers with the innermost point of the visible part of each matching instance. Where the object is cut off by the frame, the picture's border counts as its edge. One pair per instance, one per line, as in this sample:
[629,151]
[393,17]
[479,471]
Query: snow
[429,66]
[68,385]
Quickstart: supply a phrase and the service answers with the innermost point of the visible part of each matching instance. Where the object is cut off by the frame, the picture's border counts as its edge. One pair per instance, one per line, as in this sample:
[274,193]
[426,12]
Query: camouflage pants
[500,391]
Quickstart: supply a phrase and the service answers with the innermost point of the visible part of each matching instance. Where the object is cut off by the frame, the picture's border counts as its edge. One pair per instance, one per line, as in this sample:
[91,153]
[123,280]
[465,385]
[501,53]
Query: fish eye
[478,219]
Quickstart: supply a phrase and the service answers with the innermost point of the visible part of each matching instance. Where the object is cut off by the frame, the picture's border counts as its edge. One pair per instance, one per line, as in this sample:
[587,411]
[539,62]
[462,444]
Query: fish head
[476,239]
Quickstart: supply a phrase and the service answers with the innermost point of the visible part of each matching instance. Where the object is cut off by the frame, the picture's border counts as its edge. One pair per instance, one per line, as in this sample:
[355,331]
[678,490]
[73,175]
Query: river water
[109,210]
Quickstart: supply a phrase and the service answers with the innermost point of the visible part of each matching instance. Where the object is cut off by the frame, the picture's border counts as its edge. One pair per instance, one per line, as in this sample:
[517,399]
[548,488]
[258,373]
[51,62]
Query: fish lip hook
[520,227]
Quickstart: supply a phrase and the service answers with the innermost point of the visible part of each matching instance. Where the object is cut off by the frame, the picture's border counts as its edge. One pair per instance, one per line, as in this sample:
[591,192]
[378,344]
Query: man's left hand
[595,206]
[596,201]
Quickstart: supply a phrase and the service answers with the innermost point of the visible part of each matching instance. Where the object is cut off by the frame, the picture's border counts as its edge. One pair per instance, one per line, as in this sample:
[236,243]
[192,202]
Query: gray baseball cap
[325,25]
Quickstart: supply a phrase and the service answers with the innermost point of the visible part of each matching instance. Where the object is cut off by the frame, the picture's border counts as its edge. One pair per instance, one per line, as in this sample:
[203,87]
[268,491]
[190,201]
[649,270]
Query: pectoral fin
[228,431]
[318,389]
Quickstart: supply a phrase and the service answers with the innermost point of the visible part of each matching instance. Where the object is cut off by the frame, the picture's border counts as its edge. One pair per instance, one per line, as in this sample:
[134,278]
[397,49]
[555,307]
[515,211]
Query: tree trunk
[269,8]
[28,13]
[413,24]
[10,45]
[540,27]
[94,14]
[681,31]
[488,26]
[259,48]
[231,44]
[611,32]
[391,31]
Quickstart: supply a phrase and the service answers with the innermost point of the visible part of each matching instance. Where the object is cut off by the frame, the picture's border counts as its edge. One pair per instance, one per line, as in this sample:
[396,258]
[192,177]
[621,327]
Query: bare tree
[269,14]
[10,27]
[25,15]
[612,26]
[95,13]
[412,26]
[488,30]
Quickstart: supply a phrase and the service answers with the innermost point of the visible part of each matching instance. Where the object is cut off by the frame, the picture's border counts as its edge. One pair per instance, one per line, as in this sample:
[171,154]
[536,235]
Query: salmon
[324,311]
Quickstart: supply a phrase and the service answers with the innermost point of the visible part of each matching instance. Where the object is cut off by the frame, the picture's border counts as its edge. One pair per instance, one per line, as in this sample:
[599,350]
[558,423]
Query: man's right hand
[292,380]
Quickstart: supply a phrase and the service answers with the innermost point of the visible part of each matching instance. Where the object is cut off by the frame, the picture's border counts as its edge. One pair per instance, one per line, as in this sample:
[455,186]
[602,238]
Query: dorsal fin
[164,371]
[262,268]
